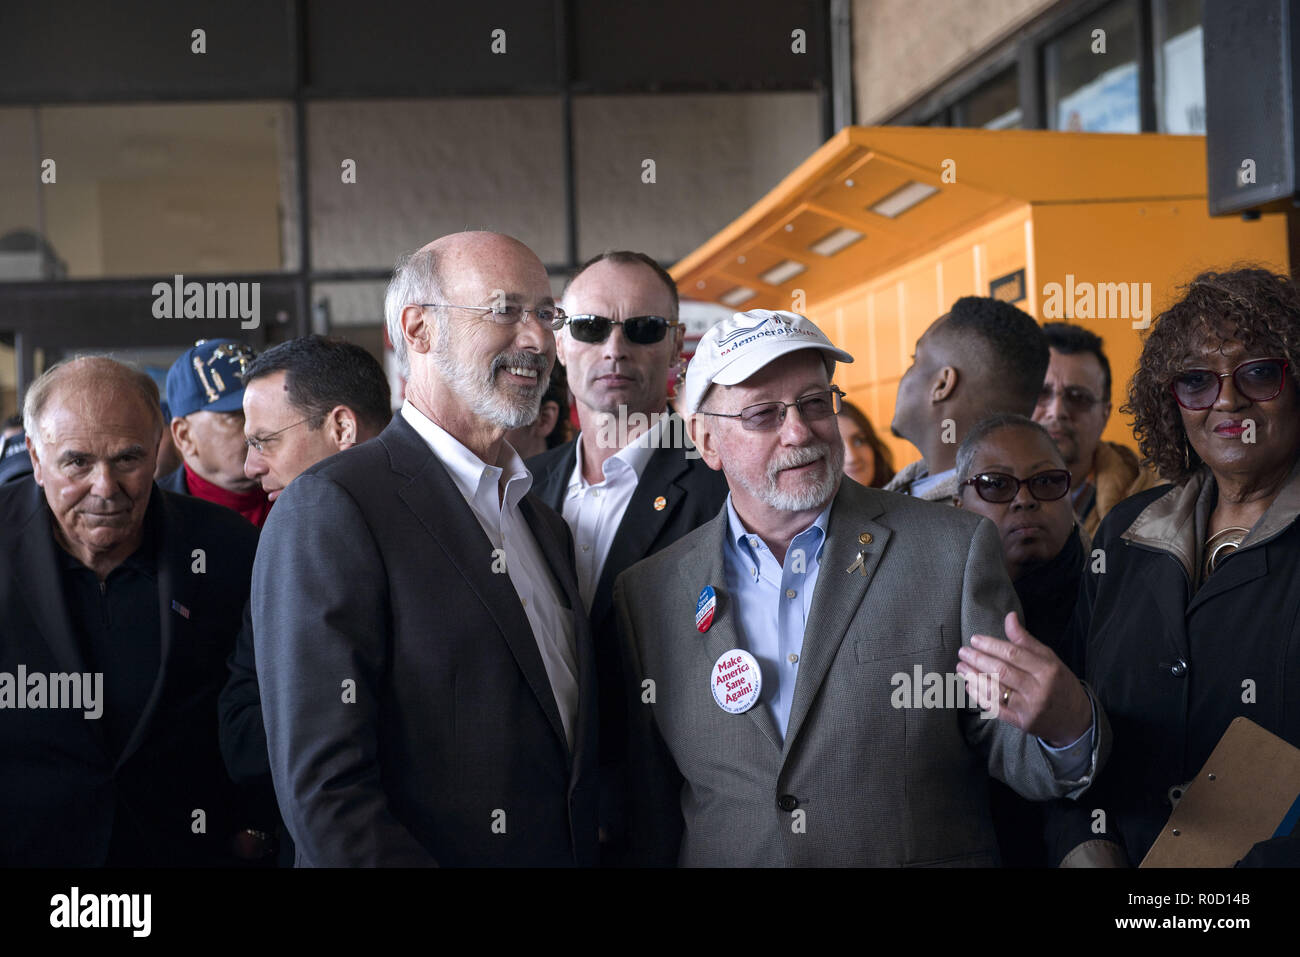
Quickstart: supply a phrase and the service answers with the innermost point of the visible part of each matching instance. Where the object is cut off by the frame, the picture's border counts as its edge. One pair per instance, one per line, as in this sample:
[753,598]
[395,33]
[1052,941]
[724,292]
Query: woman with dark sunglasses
[1010,471]
[1189,614]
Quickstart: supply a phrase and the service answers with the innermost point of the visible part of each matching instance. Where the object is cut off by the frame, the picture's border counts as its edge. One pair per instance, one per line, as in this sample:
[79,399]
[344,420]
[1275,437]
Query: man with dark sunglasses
[766,728]
[1074,407]
[630,483]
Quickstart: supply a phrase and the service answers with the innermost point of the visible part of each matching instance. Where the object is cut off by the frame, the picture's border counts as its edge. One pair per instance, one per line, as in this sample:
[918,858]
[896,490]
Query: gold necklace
[1222,544]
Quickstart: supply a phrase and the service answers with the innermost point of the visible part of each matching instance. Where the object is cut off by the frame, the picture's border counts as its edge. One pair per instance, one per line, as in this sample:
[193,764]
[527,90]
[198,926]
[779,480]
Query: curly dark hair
[1247,304]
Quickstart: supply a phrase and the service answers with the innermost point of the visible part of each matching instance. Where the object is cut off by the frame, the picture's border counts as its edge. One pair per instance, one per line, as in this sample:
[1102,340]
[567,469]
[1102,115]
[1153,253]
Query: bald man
[425,662]
[983,357]
[120,604]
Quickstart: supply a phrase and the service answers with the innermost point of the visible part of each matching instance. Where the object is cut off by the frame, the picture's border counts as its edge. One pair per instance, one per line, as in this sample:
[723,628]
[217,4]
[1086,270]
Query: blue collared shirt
[764,591]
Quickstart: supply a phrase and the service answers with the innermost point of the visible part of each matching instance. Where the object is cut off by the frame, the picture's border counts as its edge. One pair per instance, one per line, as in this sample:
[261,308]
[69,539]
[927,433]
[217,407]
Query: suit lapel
[40,582]
[705,567]
[642,522]
[838,594]
[561,566]
[172,561]
[437,503]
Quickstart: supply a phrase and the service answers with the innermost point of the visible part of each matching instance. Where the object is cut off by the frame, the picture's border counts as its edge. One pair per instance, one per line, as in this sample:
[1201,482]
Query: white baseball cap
[734,349]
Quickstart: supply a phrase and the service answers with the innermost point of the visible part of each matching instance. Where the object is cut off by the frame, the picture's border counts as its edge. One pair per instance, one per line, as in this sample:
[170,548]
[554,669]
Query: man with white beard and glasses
[425,662]
[766,650]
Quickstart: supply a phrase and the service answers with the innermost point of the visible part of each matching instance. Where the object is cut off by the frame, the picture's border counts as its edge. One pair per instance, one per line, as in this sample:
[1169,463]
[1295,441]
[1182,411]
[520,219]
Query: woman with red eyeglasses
[1189,611]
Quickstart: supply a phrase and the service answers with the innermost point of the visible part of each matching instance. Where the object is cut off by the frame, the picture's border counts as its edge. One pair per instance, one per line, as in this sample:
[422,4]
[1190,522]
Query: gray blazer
[876,785]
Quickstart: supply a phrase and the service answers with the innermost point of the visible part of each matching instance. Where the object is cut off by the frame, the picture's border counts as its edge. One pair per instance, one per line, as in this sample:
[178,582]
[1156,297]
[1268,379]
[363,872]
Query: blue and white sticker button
[736,681]
[704,608]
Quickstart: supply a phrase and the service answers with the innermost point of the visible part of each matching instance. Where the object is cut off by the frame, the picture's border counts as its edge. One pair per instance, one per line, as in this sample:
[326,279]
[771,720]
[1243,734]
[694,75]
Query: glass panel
[1095,92]
[994,106]
[662,174]
[425,168]
[136,190]
[1180,66]
[23,255]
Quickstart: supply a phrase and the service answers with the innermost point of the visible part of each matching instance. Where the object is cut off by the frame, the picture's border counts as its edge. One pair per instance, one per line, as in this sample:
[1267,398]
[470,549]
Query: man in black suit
[304,400]
[426,668]
[120,604]
[630,483]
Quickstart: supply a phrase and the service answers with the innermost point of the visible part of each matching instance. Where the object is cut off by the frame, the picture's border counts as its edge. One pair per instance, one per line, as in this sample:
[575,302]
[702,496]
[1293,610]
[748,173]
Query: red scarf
[252,505]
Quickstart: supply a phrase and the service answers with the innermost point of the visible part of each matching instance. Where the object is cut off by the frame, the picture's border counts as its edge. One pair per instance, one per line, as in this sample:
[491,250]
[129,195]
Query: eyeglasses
[1000,488]
[509,314]
[258,443]
[1076,399]
[769,416]
[642,330]
[1258,380]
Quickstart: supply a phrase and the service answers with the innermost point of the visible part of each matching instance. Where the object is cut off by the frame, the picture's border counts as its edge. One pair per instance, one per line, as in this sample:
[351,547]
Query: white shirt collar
[635,455]
[471,474]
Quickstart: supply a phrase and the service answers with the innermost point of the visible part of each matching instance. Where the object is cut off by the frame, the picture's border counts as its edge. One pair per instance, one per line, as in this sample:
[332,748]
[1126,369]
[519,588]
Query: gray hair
[986,427]
[415,280]
[106,371]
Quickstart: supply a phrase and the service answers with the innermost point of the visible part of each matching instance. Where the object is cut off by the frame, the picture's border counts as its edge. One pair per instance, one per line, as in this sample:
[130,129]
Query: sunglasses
[769,416]
[1077,400]
[1000,488]
[1257,380]
[642,330]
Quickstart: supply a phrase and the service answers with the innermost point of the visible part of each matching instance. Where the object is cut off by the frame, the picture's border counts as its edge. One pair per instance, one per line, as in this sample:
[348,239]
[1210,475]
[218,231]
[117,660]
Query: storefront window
[1091,73]
[1180,66]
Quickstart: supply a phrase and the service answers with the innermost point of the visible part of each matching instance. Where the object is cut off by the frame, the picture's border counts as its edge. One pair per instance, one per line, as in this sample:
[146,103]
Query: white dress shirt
[594,512]
[507,529]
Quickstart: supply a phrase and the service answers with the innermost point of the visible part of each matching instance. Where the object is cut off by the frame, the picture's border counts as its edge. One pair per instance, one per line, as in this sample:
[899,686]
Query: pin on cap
[736,680]
[704,608]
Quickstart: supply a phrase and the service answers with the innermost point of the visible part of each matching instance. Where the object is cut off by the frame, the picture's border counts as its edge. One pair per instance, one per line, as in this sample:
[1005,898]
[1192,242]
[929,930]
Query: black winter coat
[1173,663]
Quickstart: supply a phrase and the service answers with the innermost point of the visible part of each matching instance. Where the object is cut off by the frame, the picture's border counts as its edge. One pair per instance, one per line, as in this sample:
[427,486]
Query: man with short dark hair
[205,394]
[1074,406]
[983,357]
[304,400]
[630,483]
[127,598]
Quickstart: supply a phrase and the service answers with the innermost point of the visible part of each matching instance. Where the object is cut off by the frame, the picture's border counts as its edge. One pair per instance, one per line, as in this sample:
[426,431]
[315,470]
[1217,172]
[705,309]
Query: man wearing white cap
[795,666]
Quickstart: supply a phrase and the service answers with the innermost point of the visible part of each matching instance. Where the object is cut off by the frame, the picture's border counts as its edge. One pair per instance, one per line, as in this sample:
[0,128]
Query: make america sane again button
[736,681]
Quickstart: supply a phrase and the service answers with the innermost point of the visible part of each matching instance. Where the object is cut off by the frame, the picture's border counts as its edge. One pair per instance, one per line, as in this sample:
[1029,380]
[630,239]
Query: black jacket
[1173,663]
[1047,595]
[409,717]
[61,787]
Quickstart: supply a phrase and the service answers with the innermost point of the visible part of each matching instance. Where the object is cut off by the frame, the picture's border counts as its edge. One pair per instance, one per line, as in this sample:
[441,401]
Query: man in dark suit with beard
[427,677]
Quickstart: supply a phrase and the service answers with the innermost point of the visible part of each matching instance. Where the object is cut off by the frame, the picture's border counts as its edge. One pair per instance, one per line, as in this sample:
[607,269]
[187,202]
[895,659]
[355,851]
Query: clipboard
[1248,791]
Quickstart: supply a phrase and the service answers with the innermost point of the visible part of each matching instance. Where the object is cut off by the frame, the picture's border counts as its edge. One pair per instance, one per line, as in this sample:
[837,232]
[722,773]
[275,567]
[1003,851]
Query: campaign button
[736,681]
[705,607]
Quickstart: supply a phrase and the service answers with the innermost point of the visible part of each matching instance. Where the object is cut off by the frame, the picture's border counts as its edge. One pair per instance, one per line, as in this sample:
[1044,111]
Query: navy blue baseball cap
[209,377]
